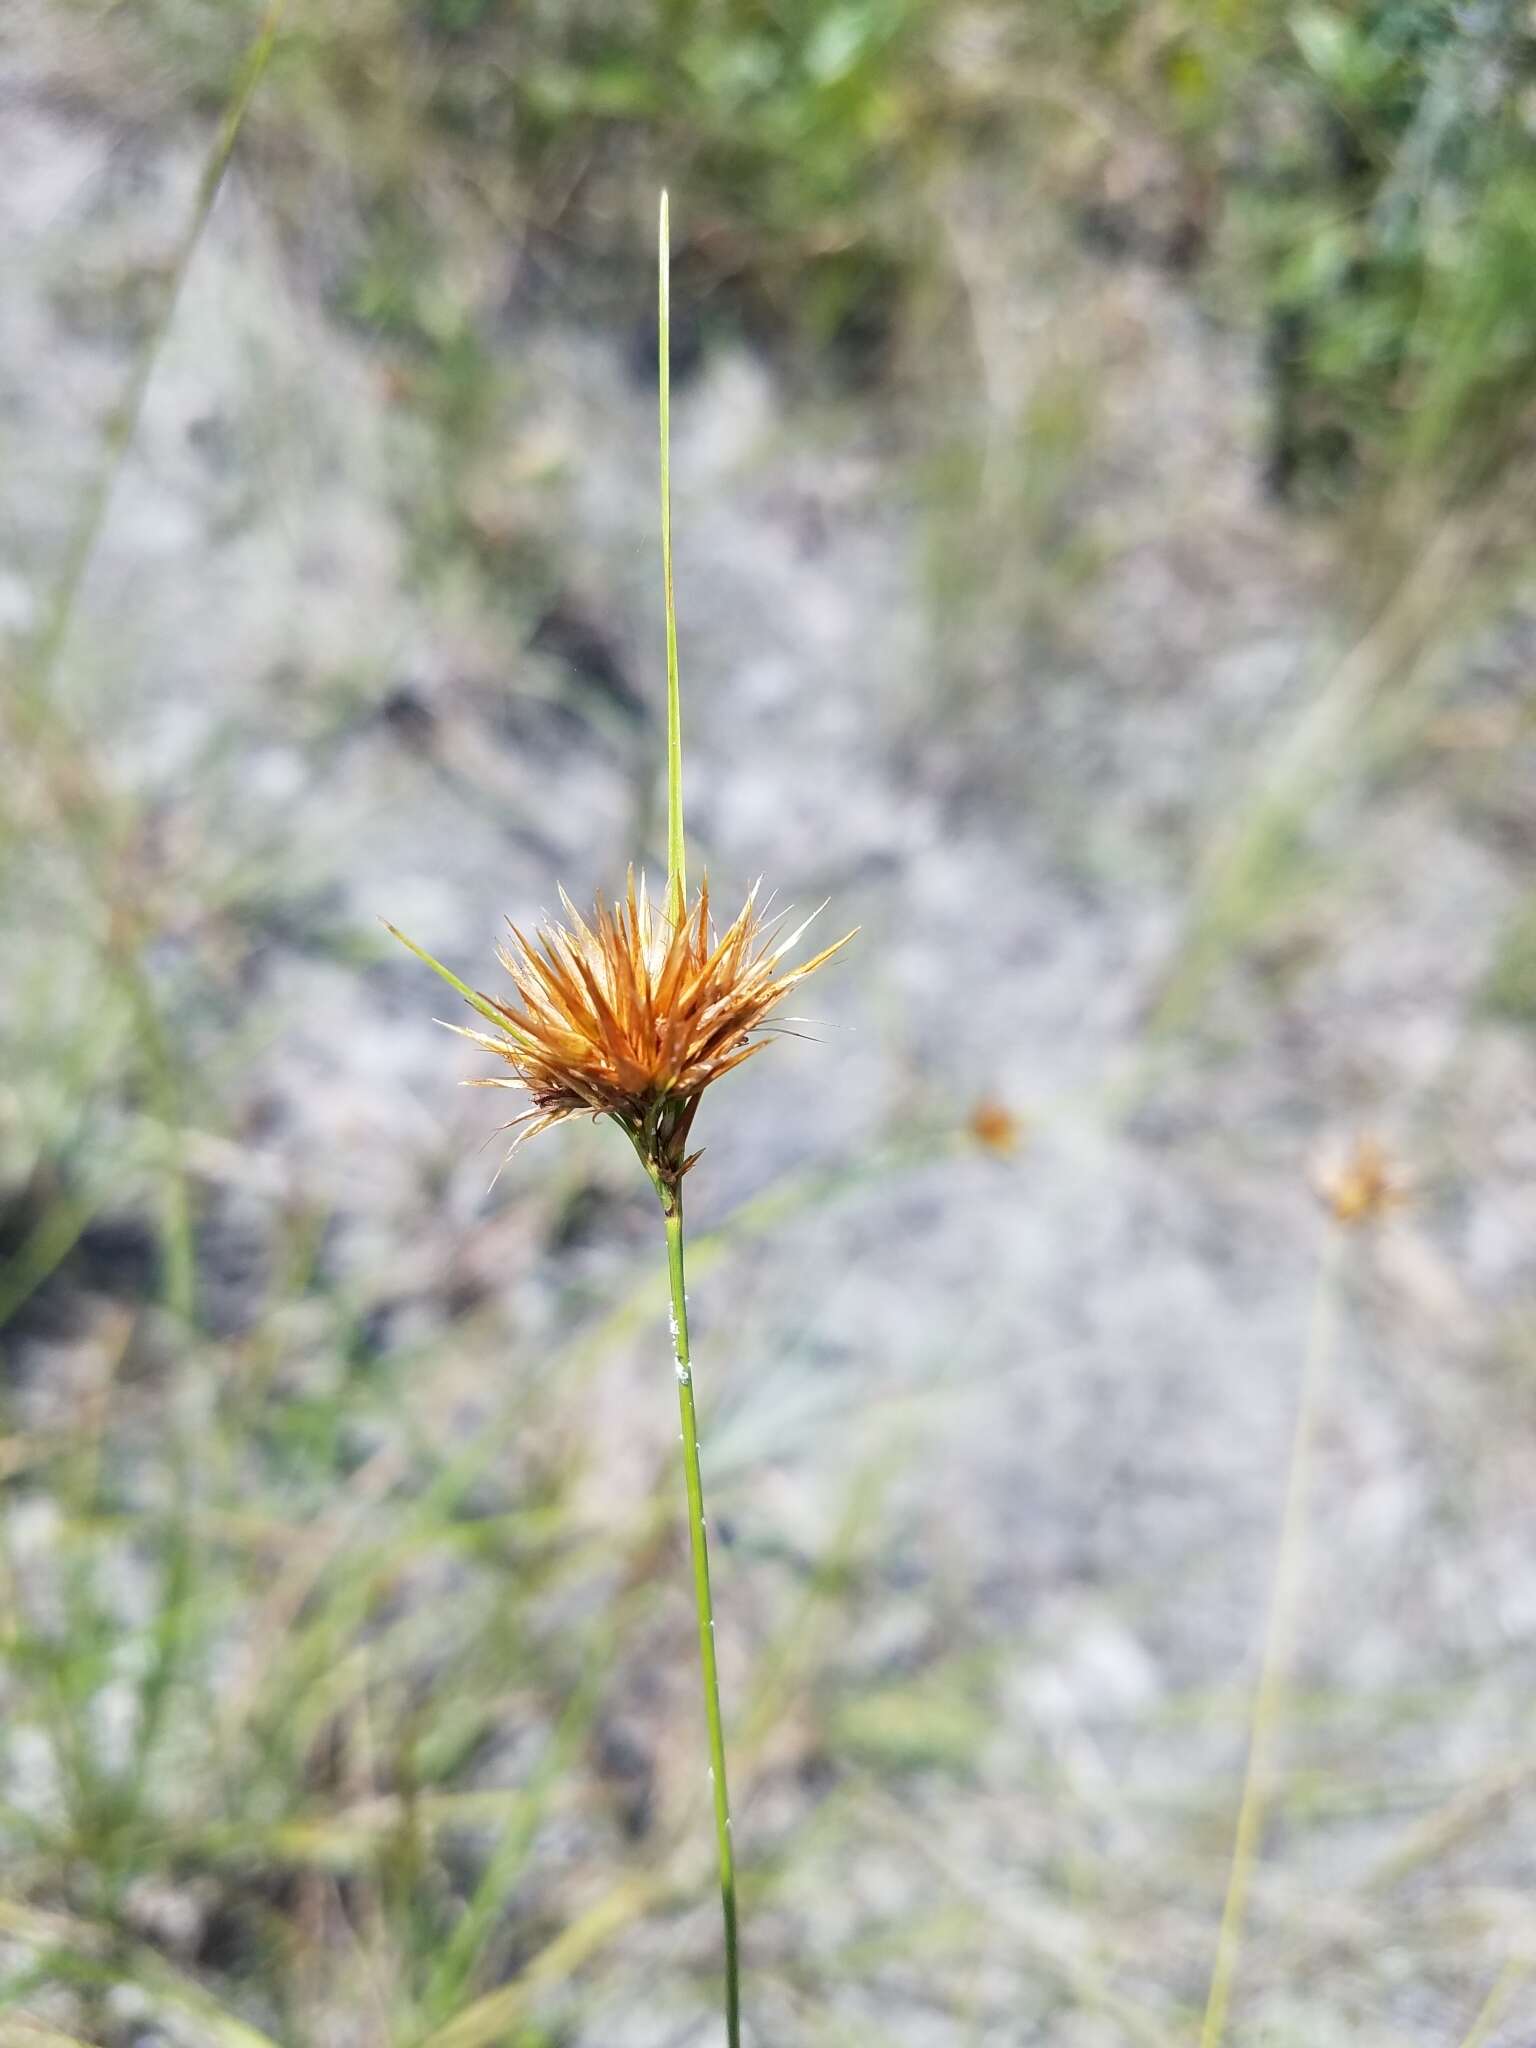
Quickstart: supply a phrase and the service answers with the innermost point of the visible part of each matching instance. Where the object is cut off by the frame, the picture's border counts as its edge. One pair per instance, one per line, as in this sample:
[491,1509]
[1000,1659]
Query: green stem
[672,1210]
[677,880]
[1279,1636]
[38,673]
[1491,2011]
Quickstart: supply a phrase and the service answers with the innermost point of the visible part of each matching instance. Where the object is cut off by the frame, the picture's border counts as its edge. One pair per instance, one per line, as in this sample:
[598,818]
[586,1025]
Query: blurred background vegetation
[347,1693]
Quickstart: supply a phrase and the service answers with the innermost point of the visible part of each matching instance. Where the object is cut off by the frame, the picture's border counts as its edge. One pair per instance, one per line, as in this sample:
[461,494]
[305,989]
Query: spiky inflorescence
[633,1016]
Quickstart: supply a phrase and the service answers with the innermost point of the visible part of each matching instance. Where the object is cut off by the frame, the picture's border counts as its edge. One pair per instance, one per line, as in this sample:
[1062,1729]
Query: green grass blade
[464,1948]
[677,879]
[38,676]
[476,1002]
[486,2021]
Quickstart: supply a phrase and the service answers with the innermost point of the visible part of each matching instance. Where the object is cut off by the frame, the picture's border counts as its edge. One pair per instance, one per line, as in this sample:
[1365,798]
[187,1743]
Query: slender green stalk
[1491,2011]
[672,1209]
[677,879]
[38,673]
[671,1192]
[1279,1635]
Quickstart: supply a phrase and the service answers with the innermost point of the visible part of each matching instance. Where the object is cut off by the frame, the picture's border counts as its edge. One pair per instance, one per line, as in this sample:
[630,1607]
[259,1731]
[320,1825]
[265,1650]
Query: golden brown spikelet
[632,1016]
[1360,1183]
[994,1126]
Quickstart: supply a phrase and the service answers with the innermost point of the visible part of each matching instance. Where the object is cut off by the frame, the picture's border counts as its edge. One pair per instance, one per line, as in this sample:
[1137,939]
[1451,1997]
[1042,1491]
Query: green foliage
[793,130]
[940,1723]
[782,124]
[246,1668]
[1380,175]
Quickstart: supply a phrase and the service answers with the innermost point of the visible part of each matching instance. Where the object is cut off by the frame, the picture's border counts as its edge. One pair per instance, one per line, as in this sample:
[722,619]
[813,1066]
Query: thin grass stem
[37,719]
[486,2021]
[677,879]
[698,1541]
[671,1193]
[1492,2009]
[464,1947]
[39,672]
[1279,1638]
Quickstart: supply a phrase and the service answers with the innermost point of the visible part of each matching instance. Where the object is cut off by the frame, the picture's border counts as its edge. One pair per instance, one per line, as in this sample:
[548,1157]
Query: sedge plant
[631,1016]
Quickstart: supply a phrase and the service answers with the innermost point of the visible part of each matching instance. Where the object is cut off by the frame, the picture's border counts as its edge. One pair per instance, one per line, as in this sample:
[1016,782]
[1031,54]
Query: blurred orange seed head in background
[1361,1183]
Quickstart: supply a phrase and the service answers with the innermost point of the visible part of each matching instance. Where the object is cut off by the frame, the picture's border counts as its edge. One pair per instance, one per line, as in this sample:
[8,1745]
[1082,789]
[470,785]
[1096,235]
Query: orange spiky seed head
[632,1016]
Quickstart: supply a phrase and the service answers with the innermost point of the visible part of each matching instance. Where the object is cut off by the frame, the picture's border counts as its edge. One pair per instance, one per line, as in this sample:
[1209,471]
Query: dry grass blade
[1054,1939]
[488,2019]
[37,722]
[1451,1824]
[126,415]
[1494,2006]
[1279,1633]
[161,1981]
[19,2031]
